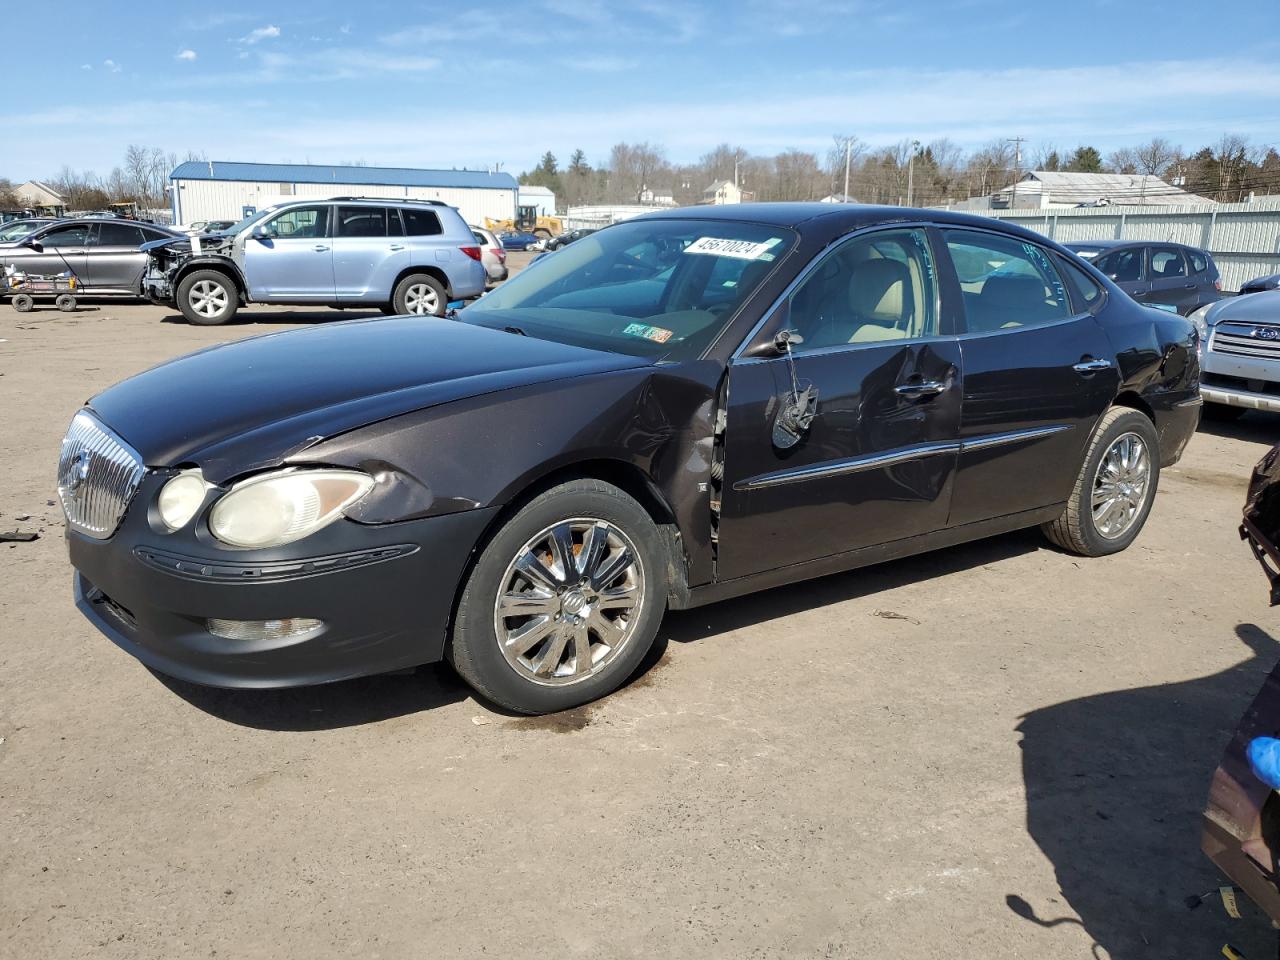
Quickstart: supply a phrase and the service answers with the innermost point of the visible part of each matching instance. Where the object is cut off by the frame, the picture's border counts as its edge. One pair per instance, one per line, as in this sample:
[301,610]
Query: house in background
[724,191]
[1061,190]
[41,199]
[838,198]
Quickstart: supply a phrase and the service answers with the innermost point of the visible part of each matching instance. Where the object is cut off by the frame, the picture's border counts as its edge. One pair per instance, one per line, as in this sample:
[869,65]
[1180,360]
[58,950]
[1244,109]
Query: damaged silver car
[399,256]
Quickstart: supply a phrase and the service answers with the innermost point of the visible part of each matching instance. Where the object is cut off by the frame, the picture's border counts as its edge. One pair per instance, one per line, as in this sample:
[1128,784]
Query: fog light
[286,629]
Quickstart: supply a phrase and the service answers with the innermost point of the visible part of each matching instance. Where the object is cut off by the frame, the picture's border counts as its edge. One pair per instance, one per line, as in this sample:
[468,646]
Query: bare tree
[1124,160]
[1154,157]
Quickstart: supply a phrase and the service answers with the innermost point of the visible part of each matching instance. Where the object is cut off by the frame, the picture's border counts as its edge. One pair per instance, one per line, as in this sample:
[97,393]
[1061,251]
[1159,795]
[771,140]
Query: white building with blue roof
[219,190]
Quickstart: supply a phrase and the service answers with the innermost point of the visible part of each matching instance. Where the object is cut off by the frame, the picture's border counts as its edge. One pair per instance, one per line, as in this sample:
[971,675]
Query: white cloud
[262,33]
[187,54]
[112,66]
[86,66]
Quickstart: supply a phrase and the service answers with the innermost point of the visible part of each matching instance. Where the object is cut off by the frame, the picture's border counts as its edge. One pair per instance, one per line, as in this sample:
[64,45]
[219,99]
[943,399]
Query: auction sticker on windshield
[738,249]
[656,334]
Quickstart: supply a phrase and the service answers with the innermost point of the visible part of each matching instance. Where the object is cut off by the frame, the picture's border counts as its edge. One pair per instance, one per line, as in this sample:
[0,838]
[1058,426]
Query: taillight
[1217,285]
[472,252]
[499,253]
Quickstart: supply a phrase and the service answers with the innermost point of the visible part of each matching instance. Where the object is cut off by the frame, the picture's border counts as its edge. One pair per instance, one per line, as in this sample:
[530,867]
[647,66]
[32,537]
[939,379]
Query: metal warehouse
[218,190]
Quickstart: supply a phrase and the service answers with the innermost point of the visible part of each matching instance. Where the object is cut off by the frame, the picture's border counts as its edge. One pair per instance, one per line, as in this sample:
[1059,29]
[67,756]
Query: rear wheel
[208,298]
[1116,486]
[22,302]
[421,294]
[564,602]
[66,303]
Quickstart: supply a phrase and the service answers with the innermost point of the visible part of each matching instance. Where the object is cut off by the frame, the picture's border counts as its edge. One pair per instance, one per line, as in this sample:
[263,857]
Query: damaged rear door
[847,436]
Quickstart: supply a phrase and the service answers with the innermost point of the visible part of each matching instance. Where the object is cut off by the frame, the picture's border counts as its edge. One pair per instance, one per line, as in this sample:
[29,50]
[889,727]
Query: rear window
[1085,290]
[118,235]
[421,223]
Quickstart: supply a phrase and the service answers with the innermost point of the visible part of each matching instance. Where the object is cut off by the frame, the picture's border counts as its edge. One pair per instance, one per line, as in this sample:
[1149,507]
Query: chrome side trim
[838,468]
[879,461]
[1013,436]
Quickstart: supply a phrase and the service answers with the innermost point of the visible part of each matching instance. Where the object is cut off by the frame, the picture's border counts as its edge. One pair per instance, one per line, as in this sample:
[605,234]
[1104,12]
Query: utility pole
[1017,168]
[911,169]
[735,172]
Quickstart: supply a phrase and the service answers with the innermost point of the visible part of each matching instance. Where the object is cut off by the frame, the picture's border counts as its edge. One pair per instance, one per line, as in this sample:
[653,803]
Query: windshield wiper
[514,329]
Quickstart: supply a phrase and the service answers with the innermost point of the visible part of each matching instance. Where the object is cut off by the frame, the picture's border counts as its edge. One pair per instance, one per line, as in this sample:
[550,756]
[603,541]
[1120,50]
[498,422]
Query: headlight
[1200,323]
[181,498]
[278,508]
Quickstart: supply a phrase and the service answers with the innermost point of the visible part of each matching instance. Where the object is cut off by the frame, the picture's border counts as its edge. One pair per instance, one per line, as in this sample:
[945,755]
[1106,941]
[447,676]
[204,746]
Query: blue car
[518,241]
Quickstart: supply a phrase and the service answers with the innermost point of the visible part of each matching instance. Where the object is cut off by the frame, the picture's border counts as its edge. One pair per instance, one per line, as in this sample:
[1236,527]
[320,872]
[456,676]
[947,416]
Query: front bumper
[1238,397]
[385,593]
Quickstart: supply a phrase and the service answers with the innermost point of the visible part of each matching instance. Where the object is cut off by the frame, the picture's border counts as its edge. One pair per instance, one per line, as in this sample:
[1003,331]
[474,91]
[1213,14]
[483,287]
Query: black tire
[474,648]
[1077,530]
[23,303]
[388,308]
[411,297]
[208,298]
[1222,412]
[66,303]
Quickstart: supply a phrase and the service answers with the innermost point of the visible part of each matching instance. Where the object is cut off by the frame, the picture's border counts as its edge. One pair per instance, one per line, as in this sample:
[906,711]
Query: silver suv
[399,256]
[1240,354]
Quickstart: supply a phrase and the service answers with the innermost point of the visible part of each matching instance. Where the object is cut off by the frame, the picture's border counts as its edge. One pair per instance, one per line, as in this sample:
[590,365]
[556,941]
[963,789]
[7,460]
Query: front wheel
[421,294]
[564,602]
[1116,486]
[208,298]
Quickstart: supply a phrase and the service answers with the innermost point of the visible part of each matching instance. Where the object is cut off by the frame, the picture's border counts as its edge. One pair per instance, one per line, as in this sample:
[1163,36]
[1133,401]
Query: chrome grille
[1247,340]
[98,474]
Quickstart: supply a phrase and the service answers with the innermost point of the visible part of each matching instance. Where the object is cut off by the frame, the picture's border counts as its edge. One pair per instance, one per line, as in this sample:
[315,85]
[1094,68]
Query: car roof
[1100,244]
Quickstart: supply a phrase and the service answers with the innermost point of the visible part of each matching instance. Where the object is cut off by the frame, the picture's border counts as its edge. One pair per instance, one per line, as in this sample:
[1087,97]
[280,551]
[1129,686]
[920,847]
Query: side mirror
[35,245]
[777,345]
[260,232]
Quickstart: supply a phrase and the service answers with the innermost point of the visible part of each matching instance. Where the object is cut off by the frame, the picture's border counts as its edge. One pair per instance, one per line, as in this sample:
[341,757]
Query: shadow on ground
[1253,426]
[1115,784]
[247,316]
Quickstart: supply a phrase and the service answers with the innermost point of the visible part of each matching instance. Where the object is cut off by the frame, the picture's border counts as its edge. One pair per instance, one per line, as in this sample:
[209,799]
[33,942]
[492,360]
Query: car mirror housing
[35,245]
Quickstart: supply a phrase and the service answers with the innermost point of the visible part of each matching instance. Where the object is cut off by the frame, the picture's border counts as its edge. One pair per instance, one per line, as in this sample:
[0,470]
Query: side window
[480,238]
[1123,266]
[421,223]
[1006,282]
[299,223]
[118,235]
[1085,290]
[1166,262]
[76,235]
[869,289]
[1199,262]
[149,235]
[362,222]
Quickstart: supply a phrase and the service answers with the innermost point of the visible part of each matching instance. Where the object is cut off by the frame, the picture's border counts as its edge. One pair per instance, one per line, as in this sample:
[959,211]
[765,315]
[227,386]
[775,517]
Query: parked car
[492,255]
[699,404]
[1241,826]
[555,243]
[217,226]
[1157,274]
[17,229]
[1239,355]
[519,241]
[402,256]
[1261,284]
[104,255]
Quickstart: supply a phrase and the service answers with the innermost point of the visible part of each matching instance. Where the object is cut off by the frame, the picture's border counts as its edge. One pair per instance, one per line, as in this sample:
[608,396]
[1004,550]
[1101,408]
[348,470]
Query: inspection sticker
[656,334]
[738,249]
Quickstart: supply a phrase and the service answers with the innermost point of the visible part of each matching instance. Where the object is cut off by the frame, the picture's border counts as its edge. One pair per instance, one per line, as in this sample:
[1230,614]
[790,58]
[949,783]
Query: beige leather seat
[881,301]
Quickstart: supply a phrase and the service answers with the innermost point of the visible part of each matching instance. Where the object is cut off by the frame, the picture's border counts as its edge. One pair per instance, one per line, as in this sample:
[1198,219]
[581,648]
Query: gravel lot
[1014,770]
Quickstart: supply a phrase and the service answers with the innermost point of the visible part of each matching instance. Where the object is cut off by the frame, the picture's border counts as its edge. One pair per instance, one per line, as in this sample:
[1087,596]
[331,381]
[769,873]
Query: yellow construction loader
[527,220]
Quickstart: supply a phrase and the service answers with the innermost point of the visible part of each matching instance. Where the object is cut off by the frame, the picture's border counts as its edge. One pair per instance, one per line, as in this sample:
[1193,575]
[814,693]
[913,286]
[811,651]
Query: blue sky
[448,84]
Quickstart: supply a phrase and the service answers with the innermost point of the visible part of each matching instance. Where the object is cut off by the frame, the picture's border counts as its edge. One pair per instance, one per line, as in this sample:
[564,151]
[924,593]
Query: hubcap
[421,299]
[208,298]
[569,601]
[1120,486]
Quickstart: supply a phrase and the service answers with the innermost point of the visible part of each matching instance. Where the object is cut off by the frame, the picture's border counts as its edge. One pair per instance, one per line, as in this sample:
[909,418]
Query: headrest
[880,289]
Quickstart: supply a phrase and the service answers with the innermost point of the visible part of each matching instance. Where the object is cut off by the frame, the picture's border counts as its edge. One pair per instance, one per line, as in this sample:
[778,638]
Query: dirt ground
[997,750]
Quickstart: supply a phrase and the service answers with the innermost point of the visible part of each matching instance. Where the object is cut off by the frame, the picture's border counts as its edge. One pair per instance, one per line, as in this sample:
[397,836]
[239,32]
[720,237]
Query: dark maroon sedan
[675,410]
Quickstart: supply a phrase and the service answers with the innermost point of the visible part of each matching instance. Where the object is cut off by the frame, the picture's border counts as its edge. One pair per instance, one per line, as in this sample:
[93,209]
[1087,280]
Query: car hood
[244,405]
[1250,308]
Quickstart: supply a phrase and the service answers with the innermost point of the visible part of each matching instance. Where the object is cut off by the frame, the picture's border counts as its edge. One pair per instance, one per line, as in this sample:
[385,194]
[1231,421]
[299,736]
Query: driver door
[877,461]
[290,257]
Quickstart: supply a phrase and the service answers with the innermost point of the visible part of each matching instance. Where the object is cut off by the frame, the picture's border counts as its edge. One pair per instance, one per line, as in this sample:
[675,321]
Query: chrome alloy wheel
[1120,486]
[421,299]
[569,602]
[208,298]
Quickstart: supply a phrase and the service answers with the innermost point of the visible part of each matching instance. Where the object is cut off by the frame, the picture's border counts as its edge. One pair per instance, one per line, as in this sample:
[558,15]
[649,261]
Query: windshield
[249,220]
[661,289]
[18,229]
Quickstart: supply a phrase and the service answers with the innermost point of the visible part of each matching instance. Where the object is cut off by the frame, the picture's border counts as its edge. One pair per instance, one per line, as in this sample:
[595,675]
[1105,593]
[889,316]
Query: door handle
[319,248]
[397,246]
[1188,286]
[1091,366]
[920,388]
